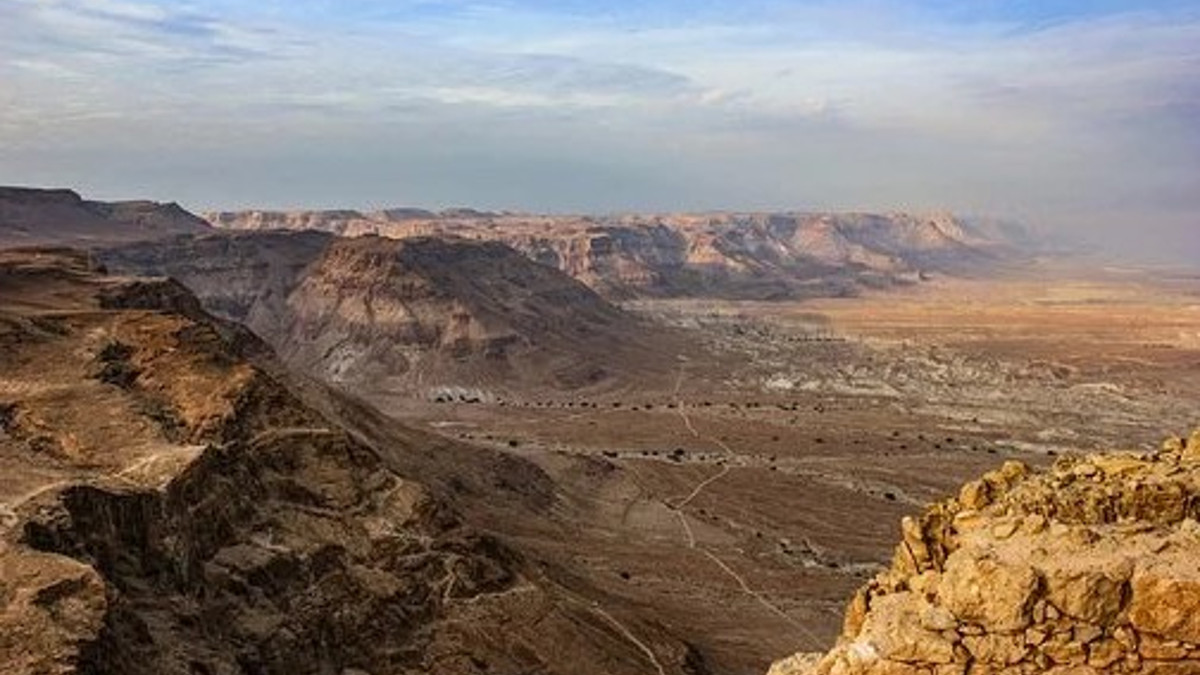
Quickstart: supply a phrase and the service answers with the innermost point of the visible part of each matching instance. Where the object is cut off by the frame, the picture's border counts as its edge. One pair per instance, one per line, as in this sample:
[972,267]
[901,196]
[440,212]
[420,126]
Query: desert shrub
[115,367]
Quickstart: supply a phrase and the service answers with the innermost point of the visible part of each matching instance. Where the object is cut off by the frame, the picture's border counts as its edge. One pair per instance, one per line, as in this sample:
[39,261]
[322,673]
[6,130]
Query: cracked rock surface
[1092,566]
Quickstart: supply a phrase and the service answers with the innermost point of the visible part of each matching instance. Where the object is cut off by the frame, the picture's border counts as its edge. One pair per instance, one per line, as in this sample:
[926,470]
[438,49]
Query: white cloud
[800,105]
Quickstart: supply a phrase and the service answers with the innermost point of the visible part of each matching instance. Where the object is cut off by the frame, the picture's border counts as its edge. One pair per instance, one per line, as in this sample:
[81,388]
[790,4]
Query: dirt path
[681,410]
[629,635]
[290,432]
[809,637]
[771,607]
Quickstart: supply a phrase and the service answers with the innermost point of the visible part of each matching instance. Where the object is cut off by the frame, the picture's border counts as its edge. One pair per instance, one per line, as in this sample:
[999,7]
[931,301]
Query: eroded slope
[171,503]
[423,315]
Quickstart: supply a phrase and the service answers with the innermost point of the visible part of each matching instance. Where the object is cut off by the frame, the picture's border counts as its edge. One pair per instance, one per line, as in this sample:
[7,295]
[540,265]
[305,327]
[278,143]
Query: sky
[1079,118]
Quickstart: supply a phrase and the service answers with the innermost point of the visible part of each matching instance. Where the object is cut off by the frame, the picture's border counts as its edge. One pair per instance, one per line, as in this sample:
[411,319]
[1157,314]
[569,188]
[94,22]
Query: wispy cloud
[1045,113]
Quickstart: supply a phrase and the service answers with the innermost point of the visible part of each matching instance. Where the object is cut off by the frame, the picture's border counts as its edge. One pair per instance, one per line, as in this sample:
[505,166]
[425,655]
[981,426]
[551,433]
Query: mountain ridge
[751,255]
[39,217]
[403,315]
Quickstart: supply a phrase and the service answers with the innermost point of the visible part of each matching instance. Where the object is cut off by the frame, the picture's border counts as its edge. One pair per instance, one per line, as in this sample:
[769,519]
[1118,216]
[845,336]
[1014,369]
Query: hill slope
[395,312]
[172,502]
[415,315]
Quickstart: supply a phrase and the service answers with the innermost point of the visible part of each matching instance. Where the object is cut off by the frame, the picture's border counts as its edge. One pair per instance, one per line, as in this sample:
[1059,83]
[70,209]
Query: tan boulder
[894,629]
[979,588]
[1193,444]
[996,650]
[1190,667]
[1089,568]
[1166,601]
[1155,648]
[797,664]
[1086,588]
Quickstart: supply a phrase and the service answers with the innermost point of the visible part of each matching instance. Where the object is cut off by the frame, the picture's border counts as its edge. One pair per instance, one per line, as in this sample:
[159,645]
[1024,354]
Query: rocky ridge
[1089,567]
[416,314]
[750,255]
[36,217]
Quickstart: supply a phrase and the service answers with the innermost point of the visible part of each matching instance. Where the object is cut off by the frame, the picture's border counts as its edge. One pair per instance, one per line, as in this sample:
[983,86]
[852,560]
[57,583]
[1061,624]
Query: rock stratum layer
[173,502]
[1090,567]
[748,255]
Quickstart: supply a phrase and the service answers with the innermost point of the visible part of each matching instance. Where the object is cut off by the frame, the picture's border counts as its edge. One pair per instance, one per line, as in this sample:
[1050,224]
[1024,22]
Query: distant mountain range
[732,255]
[751,255]
[406,300]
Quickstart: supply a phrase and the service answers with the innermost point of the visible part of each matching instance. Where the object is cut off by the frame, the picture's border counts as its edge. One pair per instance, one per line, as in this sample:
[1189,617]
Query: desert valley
[470,442]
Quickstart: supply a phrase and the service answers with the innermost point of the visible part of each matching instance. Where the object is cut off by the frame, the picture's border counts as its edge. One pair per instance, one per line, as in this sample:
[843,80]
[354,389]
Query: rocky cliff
[417,314]
[33,217]
[1090,567]
[383,312]
[172,501]
[243,277]
[717,254]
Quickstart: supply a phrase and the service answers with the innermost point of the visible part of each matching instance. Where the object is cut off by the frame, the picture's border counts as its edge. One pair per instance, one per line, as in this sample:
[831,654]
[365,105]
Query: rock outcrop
[35,217]
[1090,567]
[747,255]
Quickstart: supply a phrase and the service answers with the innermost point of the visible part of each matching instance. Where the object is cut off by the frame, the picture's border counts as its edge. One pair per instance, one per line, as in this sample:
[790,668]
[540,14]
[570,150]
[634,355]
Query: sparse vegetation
[8,417]
[115,366]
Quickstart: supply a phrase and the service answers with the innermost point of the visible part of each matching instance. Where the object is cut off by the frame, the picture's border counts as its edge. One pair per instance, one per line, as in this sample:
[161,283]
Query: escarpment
[1092,566]
[384,317]
[172,502]
[730,255]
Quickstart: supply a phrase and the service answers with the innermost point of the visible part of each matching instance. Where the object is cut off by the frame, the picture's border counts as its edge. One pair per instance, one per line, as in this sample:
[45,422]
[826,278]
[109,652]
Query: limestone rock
[797,664]
[979,589]
[1087,569]
[1166,601]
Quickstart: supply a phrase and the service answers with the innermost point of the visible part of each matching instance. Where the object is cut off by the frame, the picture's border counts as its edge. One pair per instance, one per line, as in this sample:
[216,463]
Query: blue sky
[1073,116]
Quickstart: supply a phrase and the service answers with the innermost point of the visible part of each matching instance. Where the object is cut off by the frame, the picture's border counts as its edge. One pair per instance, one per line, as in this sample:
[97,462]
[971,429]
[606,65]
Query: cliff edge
[1090,567]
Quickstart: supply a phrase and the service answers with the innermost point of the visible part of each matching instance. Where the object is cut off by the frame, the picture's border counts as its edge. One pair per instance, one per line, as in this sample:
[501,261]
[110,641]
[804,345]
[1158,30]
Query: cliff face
[32,217]
[397,315]
[373,309]
[243,277]
[1090,567]
[733,255]
[172,502]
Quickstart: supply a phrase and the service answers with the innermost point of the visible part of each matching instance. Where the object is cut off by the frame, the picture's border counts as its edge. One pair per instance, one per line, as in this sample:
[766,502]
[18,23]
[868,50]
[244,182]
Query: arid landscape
[514,337]
[295,451]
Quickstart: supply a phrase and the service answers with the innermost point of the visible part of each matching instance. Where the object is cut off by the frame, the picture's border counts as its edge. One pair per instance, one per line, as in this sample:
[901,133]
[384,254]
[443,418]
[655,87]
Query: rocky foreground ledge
[1092,566]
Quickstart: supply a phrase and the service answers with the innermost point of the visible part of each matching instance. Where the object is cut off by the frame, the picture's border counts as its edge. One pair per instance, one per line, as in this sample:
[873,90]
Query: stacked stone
[1091,567]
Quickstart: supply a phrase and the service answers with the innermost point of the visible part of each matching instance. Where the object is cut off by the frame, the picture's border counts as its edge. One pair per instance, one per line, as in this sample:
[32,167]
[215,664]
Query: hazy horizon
[1076,118]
